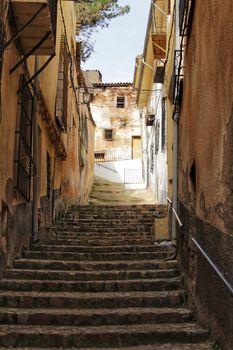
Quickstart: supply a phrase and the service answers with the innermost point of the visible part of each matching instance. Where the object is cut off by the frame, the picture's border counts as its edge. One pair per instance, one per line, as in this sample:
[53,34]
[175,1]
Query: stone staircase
[100,282]
[106,192]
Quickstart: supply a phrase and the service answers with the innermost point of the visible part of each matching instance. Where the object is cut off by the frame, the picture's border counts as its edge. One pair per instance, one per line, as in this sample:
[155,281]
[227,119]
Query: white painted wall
[156,179]
[114,171]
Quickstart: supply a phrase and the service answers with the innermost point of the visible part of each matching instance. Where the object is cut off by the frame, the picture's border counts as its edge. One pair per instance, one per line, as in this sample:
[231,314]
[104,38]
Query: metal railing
[202,251]
[175,213]
[133,176]
[214,267]
[115,154]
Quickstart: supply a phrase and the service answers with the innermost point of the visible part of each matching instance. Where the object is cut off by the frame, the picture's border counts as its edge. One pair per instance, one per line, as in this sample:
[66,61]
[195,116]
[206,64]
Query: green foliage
[93,15]
[216,346]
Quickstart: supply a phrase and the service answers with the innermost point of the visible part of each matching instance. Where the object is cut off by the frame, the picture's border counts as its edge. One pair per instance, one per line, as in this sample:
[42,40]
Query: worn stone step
[53,255]
[172,346]
[99,249]
[17,299]
[93,265]
[64,240]
[97,220]
[105,336]
[124,230]
[93,317]
[103,235]
[89,275]
[159,284]
[104,222]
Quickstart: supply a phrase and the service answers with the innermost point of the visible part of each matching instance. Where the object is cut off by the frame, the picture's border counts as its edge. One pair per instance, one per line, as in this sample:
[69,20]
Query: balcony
[35,25]
[159,40]
[150,116]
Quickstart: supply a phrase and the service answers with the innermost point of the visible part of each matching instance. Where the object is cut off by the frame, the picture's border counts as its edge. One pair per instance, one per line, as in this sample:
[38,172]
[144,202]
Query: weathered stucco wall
[205,163]
[125,122]
[70,179]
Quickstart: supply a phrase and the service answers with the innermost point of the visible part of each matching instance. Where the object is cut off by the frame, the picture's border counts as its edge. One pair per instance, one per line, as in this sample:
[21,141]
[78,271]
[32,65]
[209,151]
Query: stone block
[160,229]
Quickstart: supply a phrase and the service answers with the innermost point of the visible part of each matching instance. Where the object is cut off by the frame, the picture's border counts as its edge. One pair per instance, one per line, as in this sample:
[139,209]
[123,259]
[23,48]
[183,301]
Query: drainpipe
[175,138]
[35,155]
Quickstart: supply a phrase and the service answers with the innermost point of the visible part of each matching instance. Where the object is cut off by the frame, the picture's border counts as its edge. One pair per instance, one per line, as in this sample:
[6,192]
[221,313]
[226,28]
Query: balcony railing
[35,25]
[116,154]
[133,176]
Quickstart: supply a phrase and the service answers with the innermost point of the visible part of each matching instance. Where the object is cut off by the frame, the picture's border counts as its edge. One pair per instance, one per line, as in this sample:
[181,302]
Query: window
[49,175]
[163,127]
[157,127]
[99,156]
[120,101]
[24,166]
[108,134]
[62,91]
[152,157]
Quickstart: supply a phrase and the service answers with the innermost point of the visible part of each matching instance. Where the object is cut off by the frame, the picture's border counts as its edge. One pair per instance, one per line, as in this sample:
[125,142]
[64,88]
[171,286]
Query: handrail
[215,268]
[175,213]
[218,272]
[106,167]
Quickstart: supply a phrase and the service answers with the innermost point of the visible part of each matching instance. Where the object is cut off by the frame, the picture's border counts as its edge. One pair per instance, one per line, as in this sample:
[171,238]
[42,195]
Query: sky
[117,46]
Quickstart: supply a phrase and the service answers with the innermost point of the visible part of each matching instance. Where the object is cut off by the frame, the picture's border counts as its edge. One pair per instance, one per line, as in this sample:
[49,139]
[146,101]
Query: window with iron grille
[152,156]
[163,126]
[62,91]
[49,175]
[120,101]
[157,131]
[108,134]
[24,166]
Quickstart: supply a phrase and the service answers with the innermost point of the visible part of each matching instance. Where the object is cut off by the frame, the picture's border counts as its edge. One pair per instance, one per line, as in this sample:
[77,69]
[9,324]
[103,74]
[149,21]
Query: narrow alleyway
[99,282]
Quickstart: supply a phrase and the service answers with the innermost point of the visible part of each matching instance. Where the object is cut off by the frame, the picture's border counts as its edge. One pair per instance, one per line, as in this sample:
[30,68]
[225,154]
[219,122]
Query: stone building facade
[46,129]
[118,134]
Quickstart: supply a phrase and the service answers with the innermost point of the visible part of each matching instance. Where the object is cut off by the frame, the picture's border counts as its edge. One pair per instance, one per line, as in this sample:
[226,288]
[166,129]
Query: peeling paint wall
[125,122]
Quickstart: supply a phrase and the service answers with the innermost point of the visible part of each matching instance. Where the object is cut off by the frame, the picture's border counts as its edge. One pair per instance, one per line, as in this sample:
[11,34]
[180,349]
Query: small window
[120,101]
[108,134]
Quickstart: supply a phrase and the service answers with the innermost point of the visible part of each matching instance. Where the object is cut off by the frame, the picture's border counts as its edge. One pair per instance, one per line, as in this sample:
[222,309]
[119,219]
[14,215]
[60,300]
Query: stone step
[100,249]
[53,255]
[172,346]
[122,208]
[117,215]
[108,229]
[69,240]
[159,284]
[93,317]
[93,265]
[105,336]
[89,275]
[103,235]
[107,223]
[18,299]
[97,220]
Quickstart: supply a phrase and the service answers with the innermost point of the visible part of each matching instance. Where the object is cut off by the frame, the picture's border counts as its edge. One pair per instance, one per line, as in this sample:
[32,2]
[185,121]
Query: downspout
[175,138]
[35,155]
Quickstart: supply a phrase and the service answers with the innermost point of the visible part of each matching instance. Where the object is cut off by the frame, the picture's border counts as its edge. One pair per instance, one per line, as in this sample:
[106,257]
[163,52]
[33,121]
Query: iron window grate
[108,134]
[120,101]
[25,167]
